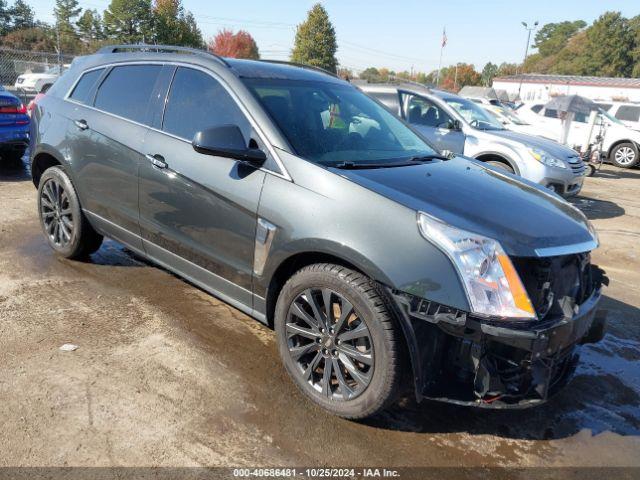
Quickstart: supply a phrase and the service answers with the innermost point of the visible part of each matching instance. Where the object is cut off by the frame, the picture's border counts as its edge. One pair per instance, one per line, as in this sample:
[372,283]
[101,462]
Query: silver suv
[453,123]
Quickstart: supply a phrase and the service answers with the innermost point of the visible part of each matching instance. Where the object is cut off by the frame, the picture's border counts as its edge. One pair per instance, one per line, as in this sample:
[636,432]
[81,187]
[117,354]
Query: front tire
[65,227]
[500,165]
[339,341]
[625,155]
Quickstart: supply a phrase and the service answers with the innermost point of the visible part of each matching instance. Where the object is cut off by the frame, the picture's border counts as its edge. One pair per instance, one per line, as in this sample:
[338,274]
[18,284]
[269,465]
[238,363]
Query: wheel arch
[498,157]
[41,161]
[620,142]
[290,264]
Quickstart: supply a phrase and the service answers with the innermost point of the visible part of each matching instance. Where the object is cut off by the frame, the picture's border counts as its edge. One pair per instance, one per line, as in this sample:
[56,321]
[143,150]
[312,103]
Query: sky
[400,34]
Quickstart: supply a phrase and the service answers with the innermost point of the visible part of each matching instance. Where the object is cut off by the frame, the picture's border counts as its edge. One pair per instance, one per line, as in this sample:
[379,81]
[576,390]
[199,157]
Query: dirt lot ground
[166,375]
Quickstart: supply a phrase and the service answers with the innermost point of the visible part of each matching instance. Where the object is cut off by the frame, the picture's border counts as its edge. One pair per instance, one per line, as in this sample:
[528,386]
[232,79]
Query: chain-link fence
[14,63]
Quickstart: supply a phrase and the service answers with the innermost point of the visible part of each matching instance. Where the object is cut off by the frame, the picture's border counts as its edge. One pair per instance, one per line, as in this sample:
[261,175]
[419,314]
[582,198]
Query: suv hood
[553,148]
[519,214]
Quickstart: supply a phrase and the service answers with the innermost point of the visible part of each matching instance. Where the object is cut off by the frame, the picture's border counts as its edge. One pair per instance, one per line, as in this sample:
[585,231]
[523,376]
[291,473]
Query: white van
[621,143]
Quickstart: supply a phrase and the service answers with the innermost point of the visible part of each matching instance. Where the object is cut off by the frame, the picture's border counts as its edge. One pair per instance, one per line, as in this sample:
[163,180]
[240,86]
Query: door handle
[157,161]
[81,124]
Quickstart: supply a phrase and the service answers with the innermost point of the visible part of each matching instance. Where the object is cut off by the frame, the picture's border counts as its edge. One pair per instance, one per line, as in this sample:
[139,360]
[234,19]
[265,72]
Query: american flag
[444,37]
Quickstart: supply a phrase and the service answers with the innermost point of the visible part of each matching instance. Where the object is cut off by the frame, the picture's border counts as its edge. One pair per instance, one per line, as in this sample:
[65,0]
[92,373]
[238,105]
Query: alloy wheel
[625,155]
[330,344]
[56,213]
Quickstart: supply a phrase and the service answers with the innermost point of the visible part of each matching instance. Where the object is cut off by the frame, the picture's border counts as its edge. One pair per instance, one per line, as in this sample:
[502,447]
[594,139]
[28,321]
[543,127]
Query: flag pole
[442,45]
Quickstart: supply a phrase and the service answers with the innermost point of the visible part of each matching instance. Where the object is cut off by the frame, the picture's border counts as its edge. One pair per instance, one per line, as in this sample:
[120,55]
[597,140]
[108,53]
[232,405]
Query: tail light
[13,108]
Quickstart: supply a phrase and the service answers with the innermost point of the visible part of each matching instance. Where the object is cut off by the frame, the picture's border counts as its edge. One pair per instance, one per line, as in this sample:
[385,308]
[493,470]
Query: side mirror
[455,125]
[227,141]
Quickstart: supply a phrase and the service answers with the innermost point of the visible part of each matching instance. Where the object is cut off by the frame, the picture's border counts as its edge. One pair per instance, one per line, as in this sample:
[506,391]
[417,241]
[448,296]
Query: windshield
[609,116]
[330,123]
[513,118]
[474,114]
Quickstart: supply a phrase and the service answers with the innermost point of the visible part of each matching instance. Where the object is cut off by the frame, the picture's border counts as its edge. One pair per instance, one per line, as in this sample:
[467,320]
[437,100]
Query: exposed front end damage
[496,363]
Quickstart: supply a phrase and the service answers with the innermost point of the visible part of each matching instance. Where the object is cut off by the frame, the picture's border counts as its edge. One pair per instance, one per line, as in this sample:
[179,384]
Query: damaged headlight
[491,282]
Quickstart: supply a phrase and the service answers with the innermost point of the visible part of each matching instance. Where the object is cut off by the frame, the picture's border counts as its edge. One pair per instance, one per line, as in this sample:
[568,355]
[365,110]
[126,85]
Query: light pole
[526,50]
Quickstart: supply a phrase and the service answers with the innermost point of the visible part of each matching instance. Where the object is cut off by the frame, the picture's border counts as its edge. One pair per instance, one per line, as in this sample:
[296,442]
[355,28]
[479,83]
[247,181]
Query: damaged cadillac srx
[290,194]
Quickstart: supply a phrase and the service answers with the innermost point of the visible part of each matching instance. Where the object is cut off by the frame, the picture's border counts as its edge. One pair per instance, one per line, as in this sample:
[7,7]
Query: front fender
[342,219]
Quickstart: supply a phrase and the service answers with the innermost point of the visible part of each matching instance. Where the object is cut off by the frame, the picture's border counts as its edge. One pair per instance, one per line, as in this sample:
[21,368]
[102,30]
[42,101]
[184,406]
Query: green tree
[315,42]
[66,11]
[609,46]
[174,26]
[22,16]
[129,21]
[489,71]
[5,18]
[552,37]
[370,74]
[634,23]
[507,69]
[90,26]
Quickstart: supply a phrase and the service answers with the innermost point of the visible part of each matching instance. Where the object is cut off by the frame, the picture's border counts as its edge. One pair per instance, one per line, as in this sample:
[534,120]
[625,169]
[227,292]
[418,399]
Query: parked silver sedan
[453,123]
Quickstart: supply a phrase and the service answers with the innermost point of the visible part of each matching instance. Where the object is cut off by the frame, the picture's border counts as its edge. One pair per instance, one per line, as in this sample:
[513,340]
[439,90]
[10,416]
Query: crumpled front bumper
[458,358]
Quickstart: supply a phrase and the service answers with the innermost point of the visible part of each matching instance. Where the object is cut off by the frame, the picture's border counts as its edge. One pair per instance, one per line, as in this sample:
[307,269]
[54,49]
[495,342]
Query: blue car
[14,126]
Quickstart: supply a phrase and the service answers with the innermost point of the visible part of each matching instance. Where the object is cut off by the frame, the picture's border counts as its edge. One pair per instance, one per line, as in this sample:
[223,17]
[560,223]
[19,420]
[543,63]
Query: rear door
[198,212]
[433,122]
[109,125]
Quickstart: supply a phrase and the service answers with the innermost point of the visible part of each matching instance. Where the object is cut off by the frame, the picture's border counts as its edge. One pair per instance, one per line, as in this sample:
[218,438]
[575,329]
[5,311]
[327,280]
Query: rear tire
[63,223]
[625,155]
[351,365]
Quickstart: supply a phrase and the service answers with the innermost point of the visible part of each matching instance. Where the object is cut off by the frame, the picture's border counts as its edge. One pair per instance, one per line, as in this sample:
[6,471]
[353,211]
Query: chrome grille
[577,165]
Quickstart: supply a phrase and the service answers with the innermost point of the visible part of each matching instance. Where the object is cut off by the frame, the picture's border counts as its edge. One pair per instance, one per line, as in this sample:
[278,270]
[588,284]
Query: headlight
[491,282]
[544,157]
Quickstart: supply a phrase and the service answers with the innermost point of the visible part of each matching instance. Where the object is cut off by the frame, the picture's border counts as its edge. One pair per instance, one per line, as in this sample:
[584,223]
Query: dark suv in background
[296,198]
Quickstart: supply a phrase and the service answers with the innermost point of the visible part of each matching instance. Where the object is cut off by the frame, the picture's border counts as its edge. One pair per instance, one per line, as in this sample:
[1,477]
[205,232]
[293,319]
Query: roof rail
[302,65]
[142,47]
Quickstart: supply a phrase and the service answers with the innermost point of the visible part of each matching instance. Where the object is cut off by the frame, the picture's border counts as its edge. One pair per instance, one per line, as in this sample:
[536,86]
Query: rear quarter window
[629,113]
[84,87]
[126,91]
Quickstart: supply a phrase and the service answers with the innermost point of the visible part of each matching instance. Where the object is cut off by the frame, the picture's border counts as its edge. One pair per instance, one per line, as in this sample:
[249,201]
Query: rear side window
[196,102]
[127,90]
[548,112]
[629,113]
[85,85]
[536,108]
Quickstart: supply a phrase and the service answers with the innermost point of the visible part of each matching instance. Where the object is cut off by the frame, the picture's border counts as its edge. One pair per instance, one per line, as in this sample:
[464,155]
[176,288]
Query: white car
[627,112]
[512,121]
[36,82]
[621,143]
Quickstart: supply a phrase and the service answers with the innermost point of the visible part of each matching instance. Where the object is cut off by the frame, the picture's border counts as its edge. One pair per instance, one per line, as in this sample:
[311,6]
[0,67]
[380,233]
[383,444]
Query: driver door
[198,212]
[434,123]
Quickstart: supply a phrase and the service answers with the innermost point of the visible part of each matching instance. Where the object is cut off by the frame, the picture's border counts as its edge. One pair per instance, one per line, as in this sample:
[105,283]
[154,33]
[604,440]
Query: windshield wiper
[361,166]
[428,158]
[412,161]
